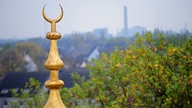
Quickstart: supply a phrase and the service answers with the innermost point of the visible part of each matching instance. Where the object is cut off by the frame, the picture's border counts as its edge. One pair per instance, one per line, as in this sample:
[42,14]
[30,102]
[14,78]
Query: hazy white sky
[23,19]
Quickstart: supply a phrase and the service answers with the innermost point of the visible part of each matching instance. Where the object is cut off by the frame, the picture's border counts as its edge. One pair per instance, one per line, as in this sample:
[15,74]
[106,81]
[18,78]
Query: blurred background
[89,28]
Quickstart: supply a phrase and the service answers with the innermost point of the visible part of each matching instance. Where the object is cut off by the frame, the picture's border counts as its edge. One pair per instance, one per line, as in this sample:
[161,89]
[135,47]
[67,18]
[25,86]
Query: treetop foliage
[153,72]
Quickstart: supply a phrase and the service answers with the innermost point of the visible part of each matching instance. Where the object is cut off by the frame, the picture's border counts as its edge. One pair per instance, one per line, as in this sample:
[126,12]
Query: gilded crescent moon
[51,20]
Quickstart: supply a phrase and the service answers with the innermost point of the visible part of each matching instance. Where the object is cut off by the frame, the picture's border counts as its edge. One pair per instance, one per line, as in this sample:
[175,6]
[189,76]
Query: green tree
[11,60]
[146,74]
[34,51]
[29,97]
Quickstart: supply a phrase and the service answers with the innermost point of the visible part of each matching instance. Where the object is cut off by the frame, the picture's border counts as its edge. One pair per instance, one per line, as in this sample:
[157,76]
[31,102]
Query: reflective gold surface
[52,21]
[54,63]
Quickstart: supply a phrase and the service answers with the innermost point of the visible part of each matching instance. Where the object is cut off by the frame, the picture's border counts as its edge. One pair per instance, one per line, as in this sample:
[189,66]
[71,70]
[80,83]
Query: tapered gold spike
[53,63]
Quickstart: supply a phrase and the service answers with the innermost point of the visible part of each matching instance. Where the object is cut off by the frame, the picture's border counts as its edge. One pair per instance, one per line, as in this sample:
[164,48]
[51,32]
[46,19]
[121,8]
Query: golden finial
[54,63]
[53,21]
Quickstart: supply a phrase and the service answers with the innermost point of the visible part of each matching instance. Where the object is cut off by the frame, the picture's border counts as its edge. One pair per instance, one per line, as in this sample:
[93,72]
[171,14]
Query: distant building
[101,32]
[95,54]
[30,65]
[85,59]
[124,31]
[129,32]
[137,29]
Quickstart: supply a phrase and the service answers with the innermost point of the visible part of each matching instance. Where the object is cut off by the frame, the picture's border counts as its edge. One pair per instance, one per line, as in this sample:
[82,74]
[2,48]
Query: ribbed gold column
[54,63]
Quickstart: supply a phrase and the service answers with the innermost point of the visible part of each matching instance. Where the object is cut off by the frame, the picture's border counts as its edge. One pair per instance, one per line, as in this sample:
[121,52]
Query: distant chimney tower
[125,21]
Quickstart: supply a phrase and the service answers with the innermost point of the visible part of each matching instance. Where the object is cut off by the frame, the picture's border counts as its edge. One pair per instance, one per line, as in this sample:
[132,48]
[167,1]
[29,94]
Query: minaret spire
[54,63]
